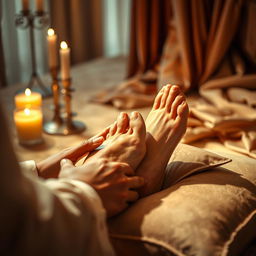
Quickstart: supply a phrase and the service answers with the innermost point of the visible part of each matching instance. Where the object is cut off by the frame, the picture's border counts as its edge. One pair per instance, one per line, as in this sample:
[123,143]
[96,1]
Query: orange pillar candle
[28,99]
[29,125]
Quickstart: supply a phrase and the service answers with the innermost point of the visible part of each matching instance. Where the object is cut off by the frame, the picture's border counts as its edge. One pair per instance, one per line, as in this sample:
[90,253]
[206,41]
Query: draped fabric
[209,48]
[2,64]
[149,28]
[79,23]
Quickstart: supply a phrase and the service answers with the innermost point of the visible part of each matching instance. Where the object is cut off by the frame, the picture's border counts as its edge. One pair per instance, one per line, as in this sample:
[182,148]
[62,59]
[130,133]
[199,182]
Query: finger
[66,164]
[135,182]
[87,146]
[104,133]
[127,170]
[132,196]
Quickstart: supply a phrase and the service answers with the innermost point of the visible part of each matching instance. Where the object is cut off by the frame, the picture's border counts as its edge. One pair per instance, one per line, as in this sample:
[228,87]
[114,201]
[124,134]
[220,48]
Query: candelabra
[37,20]
[62,125]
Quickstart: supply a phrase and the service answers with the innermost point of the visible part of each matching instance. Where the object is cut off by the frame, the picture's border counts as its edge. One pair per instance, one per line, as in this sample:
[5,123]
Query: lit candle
[64,61]
[25,5]
[28,99]
[52,48]
[29,125]
[39,5]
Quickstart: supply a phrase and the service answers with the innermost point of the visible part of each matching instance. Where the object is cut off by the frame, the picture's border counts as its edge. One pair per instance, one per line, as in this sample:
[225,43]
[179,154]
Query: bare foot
[166,124]
[125,141]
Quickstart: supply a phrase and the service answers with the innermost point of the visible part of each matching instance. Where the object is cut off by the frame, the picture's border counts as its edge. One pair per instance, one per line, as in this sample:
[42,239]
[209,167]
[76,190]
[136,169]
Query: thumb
[66,164]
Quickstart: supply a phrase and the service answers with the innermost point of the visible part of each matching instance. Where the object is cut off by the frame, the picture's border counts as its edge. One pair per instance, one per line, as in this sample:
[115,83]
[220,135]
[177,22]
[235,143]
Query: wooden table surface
[88,79]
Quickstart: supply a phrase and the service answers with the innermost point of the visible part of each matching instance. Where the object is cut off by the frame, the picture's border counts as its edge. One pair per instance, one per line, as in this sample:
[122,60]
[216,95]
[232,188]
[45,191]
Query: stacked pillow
[207,207]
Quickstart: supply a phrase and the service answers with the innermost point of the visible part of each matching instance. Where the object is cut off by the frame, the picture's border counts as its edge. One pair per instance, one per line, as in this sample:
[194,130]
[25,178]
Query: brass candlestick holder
[60,125]
[34,20]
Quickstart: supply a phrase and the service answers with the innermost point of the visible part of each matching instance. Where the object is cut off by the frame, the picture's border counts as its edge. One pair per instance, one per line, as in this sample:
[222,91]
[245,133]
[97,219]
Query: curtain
[80,23]
[92,28]
[149,28]
[116,21]
[2,62]
[16,45]
[204,46]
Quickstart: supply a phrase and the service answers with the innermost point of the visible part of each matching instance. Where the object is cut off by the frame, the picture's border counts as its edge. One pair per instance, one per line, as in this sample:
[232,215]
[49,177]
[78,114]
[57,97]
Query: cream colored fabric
[212,212]
[29,167]
[52,217]
[226,114]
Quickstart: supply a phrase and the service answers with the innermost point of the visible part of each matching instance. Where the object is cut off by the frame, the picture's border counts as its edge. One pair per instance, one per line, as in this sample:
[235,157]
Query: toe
[175,90]
[137,125]
[178,100]
[122,122]
[183,110]
[113,129]
[165,95]
[158,98]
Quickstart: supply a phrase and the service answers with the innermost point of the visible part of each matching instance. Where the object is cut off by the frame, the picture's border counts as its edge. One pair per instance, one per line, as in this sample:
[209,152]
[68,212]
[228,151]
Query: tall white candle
[52,48]
[39,5]
[25,5]
[64,61]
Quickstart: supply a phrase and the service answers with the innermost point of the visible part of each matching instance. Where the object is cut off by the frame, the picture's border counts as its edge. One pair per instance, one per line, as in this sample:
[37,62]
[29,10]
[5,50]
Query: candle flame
[27,111]
[50,32]
[27,92]
[63,45]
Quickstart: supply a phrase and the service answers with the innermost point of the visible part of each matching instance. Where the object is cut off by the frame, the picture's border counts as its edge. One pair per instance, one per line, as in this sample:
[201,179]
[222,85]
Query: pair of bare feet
[147,147]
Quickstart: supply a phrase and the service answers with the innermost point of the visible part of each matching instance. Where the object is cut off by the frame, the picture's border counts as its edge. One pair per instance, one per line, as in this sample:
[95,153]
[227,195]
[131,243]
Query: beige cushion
[211,212]
[187,160]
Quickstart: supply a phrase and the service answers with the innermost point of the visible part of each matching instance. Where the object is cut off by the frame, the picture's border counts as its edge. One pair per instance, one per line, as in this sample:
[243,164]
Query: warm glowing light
[50,32]
[27,111]
[63,45]
[27,92]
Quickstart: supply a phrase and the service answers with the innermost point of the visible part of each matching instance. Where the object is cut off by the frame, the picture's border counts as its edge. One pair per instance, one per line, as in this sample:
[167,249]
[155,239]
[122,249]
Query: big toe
[122,122]
[137,125]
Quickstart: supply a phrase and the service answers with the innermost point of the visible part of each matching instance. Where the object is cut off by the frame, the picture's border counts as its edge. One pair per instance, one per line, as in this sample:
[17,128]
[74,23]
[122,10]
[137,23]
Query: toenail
[134,115]
[121,115]
[175,87]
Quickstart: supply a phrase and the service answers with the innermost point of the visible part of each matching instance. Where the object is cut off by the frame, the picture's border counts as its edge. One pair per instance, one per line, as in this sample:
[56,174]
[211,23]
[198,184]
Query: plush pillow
[211,212]
[187,160]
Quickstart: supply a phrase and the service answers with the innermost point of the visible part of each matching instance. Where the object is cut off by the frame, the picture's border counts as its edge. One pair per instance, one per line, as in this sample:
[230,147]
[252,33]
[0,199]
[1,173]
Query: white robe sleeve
[47,217]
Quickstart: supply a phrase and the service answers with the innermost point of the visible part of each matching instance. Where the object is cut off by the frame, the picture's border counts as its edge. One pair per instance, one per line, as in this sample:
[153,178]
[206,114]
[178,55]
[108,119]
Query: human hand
[50,167]
[113,182]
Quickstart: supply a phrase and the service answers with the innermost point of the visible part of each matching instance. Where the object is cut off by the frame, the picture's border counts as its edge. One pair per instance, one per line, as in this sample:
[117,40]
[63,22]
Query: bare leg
[125,141]
[166,124]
